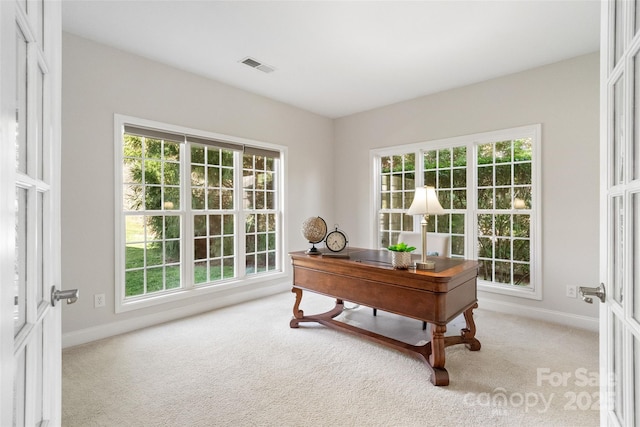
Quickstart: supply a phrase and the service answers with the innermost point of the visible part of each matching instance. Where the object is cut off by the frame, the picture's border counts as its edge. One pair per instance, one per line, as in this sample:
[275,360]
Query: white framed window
[489,183]
[195,212]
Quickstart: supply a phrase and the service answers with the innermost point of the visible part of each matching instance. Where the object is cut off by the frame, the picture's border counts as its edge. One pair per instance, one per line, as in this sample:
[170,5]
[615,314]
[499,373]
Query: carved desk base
[432,353]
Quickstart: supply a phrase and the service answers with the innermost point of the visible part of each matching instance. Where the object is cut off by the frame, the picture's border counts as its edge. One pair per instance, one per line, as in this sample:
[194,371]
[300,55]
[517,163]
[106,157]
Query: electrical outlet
[571,291]
[98,300]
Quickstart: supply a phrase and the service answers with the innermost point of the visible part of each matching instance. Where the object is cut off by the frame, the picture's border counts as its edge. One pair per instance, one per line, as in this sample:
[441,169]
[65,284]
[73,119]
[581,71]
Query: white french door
[620,213]
[30,40]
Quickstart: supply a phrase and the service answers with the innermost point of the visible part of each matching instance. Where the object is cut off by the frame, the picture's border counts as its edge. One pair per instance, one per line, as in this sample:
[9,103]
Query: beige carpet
[244,366]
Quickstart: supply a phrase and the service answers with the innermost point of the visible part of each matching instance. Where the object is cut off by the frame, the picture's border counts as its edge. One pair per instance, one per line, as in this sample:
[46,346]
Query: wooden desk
[367,278]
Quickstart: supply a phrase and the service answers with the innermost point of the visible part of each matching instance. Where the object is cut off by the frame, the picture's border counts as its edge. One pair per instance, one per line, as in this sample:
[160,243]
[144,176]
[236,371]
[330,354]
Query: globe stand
[313,250]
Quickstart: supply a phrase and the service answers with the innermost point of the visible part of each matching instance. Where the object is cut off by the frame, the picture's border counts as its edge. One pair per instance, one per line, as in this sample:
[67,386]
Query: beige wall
[99,81]
[328,166]
[564,98]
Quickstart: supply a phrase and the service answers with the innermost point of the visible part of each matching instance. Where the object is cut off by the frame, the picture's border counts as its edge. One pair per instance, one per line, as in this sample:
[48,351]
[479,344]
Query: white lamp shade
[519,204]
[425,202]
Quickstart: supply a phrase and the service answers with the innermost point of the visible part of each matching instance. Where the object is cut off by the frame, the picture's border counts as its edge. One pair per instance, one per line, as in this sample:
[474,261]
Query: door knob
[70,295]
[587,293]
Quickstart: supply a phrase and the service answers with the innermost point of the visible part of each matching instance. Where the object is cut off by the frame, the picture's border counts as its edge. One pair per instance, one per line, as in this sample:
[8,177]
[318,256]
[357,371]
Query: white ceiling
[336,58]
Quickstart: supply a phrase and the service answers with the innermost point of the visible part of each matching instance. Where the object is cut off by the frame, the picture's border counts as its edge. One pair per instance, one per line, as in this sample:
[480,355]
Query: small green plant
[401,247]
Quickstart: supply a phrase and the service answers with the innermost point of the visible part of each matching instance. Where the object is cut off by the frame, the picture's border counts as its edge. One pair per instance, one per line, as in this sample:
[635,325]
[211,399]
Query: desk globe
[314,229]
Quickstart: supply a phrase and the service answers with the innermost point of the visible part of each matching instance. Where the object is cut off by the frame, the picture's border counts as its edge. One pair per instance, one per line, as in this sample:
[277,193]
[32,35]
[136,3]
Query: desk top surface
[381,259]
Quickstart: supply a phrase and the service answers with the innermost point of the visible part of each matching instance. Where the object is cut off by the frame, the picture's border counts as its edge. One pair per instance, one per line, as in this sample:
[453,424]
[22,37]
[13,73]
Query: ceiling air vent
[257,65]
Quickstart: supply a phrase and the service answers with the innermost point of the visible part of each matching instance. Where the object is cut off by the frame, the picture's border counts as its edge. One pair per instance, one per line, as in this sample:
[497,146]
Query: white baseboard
[94,333]
[559,317]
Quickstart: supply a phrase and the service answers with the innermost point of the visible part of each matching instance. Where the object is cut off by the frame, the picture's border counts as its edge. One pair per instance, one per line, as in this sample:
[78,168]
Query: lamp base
[426,265]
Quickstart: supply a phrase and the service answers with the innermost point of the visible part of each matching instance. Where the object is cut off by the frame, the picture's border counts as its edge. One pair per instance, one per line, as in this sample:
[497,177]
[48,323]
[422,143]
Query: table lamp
[425,203]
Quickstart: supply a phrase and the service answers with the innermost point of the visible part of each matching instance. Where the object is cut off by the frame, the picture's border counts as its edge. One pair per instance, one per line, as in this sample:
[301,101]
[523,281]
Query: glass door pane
[40,123]
[635,146]
[19,389]
[40,248]
[38,10]
[38,350]
[618,34]
[20,284]
[635,256]
[617,235]
[637,17]
[618,370]
[618,131]
[21,102]
[636,376]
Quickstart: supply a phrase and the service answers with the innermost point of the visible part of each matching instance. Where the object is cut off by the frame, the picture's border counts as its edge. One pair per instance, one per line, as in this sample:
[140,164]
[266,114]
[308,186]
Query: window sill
[227,288]
[511,290]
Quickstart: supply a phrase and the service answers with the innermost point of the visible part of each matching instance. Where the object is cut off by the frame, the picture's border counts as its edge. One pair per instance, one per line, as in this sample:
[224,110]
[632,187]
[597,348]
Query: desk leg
[435,349]
[469,333]
[298,315]
[436,359]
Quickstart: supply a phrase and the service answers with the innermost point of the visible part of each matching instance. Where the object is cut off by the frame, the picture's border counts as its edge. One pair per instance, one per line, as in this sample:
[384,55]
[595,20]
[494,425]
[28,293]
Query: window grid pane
[212,178]
[214,244]
[446,170]
[260,202]
[152,254]
[504,188]
[151,174]
[397,187]
[151,183]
